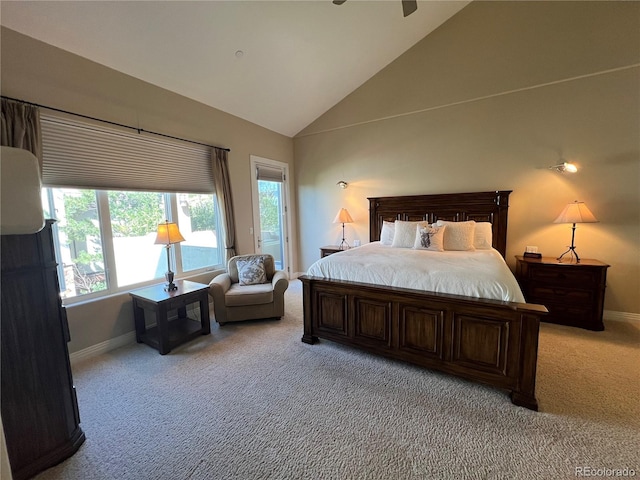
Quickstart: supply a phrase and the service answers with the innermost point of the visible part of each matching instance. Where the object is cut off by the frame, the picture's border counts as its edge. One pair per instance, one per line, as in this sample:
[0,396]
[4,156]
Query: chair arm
[218,287]
[280,281]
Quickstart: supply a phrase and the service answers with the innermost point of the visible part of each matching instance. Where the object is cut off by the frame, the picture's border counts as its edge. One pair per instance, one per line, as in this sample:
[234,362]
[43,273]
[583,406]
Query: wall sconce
[564,167]
[342,184]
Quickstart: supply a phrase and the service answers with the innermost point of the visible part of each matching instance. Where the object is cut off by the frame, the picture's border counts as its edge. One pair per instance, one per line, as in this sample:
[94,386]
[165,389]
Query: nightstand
[329,250]
[572,292]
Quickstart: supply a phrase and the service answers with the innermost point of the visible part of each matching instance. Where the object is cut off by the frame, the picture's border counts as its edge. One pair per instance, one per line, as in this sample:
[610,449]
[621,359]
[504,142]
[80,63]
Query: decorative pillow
[429,238]
[483,237]
[251,271]
[386,235]
[405,233]
[458,235]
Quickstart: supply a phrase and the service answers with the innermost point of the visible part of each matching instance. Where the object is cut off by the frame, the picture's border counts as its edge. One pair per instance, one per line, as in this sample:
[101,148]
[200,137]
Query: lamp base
[572,253]
[170,287]
[572,248]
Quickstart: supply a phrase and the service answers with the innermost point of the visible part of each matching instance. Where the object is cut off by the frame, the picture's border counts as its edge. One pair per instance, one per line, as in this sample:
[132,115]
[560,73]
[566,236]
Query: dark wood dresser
[329,250]
[572,292]
[39,406]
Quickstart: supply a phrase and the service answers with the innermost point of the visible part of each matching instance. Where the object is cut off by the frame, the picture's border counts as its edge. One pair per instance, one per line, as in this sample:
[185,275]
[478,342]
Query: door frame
[287,250]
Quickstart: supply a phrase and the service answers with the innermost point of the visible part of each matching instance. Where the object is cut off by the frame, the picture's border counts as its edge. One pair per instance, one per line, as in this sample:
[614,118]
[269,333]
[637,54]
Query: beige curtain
[21,127]
[225,200]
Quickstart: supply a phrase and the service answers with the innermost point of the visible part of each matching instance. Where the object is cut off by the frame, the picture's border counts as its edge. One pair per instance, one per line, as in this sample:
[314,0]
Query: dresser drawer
[573,315]
[565,275]
[560,294]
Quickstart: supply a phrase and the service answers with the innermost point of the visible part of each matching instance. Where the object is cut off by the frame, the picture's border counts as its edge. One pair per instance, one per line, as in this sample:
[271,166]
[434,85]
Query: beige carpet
[251,401]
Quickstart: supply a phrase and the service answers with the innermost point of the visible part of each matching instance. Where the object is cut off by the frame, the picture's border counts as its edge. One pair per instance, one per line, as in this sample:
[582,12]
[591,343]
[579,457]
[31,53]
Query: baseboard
[128,338]
[121,341]
[103,347]
[621,316]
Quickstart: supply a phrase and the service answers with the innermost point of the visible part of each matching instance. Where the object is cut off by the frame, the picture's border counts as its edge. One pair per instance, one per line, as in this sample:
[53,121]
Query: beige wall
[40,73]
[487,102]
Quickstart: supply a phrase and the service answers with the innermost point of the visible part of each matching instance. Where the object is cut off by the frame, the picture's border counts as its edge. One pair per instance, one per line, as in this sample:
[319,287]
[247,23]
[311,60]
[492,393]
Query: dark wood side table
[572,292]
[329,250]
[168,334]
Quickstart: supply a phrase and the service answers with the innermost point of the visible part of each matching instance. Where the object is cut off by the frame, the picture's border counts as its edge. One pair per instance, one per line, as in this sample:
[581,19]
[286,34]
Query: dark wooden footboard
[487,341]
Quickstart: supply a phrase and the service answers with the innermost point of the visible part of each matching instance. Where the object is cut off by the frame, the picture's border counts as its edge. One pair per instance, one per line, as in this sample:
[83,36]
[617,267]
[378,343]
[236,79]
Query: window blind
[82,154]
[270,174]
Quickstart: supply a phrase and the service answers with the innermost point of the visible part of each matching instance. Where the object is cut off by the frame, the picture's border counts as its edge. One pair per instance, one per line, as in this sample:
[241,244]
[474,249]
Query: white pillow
[430,237]
[458,235]
[386,235]
[483,237]
[405,233]
[251,271]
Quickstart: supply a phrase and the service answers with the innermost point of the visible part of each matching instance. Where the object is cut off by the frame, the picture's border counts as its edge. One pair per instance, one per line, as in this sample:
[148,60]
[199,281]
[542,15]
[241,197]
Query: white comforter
[482,273]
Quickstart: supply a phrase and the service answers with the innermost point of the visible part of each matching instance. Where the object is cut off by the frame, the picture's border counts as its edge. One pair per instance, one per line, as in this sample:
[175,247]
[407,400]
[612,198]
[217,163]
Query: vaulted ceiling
[279,64]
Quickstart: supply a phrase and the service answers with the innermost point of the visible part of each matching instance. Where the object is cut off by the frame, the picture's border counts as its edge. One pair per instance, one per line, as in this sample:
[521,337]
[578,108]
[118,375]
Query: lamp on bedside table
[576,212]
[343,217]
[169,234]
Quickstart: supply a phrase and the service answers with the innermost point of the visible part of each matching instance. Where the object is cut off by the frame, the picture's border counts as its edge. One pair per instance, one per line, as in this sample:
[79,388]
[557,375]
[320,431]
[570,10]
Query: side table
[168,334]
[572,292]
[329,250]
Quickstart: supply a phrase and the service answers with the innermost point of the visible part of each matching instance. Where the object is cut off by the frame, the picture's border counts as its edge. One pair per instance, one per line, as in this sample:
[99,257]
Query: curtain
[225,201]
[21,127]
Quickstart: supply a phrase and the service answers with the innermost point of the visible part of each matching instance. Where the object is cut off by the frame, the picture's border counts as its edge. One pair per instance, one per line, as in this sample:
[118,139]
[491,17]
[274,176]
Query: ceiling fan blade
[339,2]
[408,6]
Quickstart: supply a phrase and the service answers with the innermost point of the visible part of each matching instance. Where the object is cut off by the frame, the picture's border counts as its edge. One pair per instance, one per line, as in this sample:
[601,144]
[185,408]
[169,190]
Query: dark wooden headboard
[456,207]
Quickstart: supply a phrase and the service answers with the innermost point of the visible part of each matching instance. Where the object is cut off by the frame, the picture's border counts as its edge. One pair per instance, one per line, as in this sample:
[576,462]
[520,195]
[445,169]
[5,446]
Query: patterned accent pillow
[429,237]
[251,271]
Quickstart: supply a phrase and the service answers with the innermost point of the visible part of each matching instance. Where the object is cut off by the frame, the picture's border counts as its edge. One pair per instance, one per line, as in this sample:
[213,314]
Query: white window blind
[82,154]
[271,174]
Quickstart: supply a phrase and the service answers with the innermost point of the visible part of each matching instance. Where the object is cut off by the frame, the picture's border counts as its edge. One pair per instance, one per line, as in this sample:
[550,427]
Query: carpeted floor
[251,401]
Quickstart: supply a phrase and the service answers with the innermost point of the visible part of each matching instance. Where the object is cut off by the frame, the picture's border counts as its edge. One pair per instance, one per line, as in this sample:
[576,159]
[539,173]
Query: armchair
[235,302]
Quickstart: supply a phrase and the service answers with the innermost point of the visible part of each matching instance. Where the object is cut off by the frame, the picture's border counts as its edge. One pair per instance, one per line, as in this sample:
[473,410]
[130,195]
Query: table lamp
[576,212]
[343,217]
[169,234]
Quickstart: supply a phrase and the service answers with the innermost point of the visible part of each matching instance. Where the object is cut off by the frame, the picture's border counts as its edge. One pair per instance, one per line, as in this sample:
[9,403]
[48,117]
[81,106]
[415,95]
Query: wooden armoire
[38,400]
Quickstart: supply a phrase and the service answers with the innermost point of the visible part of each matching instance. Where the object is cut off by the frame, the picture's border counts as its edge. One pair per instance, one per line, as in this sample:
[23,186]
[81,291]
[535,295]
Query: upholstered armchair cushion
[233,302]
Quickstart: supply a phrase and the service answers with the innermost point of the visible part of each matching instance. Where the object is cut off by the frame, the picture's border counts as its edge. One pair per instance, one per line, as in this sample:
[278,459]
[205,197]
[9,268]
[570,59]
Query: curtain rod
[139,130]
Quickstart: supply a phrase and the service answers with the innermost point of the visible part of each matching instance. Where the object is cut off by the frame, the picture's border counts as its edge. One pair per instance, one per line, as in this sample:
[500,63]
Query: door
[270,196]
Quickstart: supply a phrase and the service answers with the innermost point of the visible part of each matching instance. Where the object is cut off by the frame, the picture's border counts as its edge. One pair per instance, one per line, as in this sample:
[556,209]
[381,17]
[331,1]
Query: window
[105,239]
[134,222]
[197,219]
[78,240]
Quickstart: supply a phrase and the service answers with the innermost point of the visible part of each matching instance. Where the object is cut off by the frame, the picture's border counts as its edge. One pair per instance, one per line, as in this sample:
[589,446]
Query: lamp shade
[343,217]
[168,233]
[576,212]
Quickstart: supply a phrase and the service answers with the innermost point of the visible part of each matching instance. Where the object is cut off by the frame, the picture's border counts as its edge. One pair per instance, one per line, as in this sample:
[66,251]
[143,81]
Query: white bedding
[480,273]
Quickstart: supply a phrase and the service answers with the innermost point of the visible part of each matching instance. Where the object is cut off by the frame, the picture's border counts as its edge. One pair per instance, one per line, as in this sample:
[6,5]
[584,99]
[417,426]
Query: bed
[487,340]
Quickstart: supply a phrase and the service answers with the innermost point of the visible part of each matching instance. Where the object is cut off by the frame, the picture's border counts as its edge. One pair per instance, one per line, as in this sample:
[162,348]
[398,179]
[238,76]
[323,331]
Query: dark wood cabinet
[329,250]
[572,292]
[38,400]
